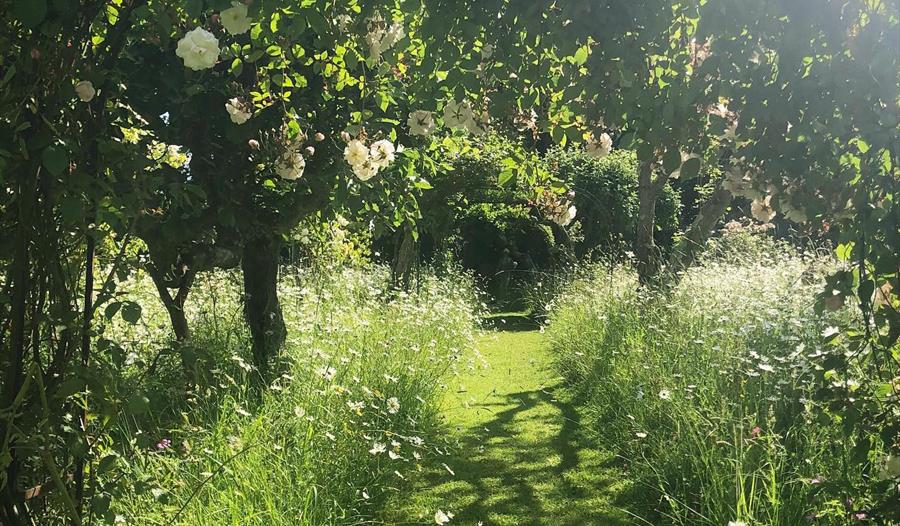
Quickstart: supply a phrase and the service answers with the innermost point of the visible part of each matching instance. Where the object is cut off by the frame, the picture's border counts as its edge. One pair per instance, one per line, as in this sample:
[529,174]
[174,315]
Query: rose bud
[253,143]
[320,136]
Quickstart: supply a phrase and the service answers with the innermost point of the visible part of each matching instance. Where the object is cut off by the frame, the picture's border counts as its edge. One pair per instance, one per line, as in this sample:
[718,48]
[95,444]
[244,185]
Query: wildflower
[163,444]
[238,111]
[442,518]
[599,149]
[326,372]
[356,407]
[393,405]
[382,153]
[737,523]
[356,153]
[290,166]
[378,448]
[85,90]
[665,394]
[235,20]
[199,49]
[420,122]
[762,209]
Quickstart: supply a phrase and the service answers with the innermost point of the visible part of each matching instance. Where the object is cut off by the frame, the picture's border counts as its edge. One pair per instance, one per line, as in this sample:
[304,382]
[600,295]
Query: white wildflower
[442,518]
[393,405]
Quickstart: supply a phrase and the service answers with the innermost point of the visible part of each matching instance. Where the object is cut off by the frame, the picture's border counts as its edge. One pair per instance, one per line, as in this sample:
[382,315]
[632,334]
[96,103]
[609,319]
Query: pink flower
[163,444]
[755,432]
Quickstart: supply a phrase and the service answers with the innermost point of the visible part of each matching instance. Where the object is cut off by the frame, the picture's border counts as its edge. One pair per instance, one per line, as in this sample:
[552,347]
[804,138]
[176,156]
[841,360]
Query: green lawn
[519,459]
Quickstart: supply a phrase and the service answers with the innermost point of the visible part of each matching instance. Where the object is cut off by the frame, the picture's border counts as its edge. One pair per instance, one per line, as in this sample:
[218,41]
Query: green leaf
[672,160]
[30,12]
[137,404]
[131,312]
[55,159]
[691,168]
[581,55]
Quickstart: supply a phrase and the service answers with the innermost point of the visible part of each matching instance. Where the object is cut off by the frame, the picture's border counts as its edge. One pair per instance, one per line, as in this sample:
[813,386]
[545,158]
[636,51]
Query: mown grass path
[519,459]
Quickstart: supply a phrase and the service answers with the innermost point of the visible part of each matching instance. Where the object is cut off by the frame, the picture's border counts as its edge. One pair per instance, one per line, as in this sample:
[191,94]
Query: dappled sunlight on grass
[519,458]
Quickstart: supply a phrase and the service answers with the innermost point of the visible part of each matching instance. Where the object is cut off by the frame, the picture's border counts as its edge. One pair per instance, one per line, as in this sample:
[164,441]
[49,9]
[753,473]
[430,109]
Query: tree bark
[649,261]
[262,309]
[404,257]
[693,241]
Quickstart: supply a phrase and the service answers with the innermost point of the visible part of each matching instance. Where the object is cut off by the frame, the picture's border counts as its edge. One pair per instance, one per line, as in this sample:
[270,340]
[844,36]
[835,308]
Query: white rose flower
[382,153]
[199,49]
[356,153]
[238,111]
[420,122]
[290,166]
[457,114]
[566,217]
[235,20]
[762,209]
[365,171]
[599,149]
[85,90]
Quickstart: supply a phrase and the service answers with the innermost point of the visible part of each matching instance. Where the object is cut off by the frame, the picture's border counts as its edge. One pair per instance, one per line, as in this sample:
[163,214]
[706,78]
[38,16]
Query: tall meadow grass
[705,392]
[353,412]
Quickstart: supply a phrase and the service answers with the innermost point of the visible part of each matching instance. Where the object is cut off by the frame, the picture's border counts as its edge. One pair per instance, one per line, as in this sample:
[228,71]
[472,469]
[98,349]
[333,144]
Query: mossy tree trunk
[262,309]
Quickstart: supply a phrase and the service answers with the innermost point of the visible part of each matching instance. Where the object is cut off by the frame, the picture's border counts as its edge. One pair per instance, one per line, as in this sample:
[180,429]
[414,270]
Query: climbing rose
[382,153]
[290,166]
[457,114]
[237,110]
[356,153]
[599,149]
[199,49]
[85,90]
[365,171]
[420,122]
[762,209]
[566,217]
[235,20]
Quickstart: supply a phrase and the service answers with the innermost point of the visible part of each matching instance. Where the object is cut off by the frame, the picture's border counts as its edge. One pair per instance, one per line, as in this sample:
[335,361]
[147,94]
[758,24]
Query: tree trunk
[686,251]
[404,258]
[175,308]
[648,258]
[261,307]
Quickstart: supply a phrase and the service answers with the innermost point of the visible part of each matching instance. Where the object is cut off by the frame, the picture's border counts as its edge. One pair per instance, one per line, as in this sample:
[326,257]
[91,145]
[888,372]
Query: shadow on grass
[526,465]
[511,322]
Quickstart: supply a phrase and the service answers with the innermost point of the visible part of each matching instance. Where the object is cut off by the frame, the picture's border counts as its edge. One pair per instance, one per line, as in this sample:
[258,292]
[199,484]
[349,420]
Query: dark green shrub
[607,200]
